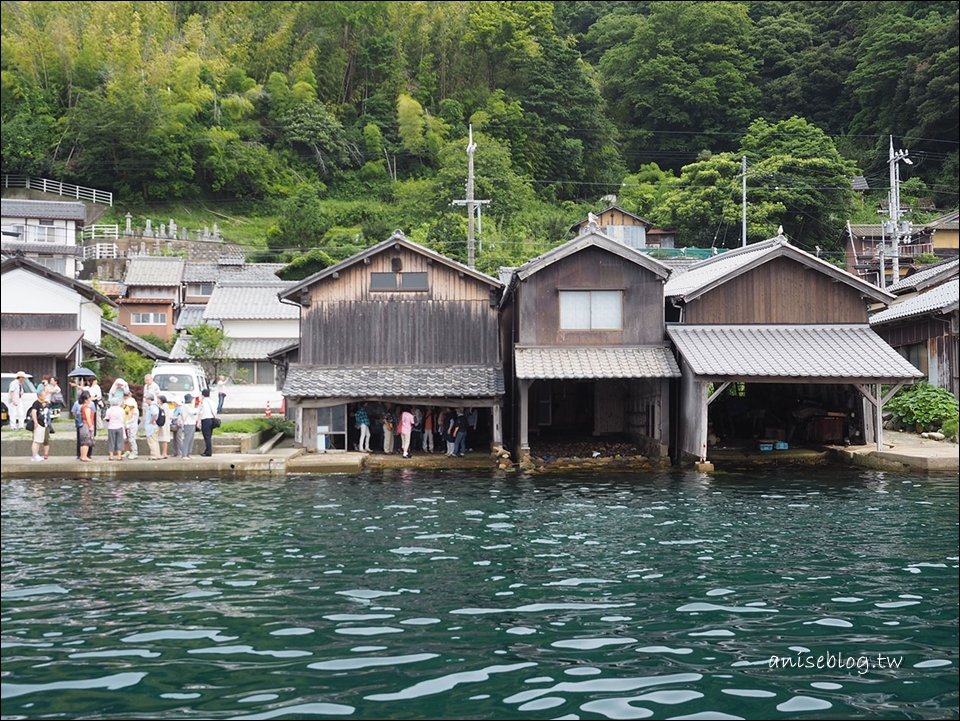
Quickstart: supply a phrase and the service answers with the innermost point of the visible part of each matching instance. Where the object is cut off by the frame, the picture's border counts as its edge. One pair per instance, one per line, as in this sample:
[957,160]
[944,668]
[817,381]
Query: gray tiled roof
[243,349]
[151,271]
[45,248]
[197,272]
[190,314]
[935,300]
[930,275]
[453,381]
[250,301]
[45,209]
[829,352]
[632,362]
[229,272]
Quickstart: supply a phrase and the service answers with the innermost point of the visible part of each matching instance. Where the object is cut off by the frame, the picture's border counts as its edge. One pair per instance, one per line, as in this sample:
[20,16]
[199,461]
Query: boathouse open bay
[449,595]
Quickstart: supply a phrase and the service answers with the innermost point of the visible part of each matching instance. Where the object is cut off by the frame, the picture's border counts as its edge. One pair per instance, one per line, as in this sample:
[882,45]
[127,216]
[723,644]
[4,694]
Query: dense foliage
[349,119]
[922,405]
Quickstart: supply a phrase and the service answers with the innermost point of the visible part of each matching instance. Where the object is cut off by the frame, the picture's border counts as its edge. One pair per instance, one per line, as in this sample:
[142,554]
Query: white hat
[21,374]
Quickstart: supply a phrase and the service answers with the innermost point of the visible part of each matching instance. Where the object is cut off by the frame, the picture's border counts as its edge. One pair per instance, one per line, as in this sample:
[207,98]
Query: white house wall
[25,293]
[262,329]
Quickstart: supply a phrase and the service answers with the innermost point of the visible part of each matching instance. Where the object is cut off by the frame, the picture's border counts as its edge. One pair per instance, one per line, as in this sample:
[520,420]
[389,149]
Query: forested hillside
[348,119]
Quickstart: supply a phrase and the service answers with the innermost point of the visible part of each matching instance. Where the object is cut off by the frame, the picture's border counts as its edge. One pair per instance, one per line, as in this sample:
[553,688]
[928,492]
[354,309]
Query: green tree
[209,346]
[685,81]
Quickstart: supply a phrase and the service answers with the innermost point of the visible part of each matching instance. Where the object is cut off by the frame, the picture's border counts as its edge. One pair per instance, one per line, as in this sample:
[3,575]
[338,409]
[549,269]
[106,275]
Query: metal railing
[100,250]
[57,187]
[104,231]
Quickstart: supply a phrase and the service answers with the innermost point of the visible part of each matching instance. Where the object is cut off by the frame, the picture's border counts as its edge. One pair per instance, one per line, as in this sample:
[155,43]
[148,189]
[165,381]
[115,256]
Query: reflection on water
[448,595]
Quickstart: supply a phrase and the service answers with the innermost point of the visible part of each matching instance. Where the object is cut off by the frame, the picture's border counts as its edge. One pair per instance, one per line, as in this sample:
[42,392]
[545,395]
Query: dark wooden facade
[937,336]
[395,308]
[453,321]
[782,290]
[538,301]
[586,406]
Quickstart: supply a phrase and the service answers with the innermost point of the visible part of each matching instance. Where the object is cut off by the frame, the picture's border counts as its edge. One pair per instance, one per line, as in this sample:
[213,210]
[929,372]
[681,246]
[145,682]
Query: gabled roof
[712,272]
[398,239]
[611,207]
[45,209]
[133,341]
[591,239]
[79,286]
[250,301]
[154,271]
[929,276]
[941,299]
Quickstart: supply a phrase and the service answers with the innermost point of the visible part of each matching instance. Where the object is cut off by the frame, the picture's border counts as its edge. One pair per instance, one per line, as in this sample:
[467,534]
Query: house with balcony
[45,231]
[51,322]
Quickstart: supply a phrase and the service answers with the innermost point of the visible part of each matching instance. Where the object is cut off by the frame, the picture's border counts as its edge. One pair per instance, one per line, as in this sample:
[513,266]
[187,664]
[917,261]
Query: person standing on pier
[87,428]
[38,418]
[189,423]
[389,424]
[115,418]
[221,392]
[406,429]
[150,428]
[208,413]
[18,413]
[363,423]
[131,415]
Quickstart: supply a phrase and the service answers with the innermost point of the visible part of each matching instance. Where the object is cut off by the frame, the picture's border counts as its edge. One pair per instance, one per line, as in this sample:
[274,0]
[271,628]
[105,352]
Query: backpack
[161,415]
[29,424]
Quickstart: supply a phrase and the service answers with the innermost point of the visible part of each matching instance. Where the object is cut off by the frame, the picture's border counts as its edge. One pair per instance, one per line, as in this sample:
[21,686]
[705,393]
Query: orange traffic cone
[268,413]
[283,406]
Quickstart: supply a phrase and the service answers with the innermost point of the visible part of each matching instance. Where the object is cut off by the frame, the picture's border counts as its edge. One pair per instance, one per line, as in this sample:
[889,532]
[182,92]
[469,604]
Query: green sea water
[450,595]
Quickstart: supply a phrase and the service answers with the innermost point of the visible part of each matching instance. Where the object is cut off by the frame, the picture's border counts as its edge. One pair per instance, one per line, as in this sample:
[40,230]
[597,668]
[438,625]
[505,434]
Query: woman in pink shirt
[115,418]
[406,428]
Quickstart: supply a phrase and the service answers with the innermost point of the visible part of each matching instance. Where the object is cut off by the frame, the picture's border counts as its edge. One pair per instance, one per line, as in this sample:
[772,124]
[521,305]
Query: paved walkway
[902,451]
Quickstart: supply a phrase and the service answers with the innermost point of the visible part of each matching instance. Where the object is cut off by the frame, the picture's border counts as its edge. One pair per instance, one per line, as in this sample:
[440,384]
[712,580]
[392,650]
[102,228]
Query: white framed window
[54,263]
[148,318]
[591,310]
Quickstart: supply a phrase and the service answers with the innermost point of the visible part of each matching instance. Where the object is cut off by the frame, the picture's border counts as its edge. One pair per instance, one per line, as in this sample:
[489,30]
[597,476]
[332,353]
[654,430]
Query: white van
[178,379]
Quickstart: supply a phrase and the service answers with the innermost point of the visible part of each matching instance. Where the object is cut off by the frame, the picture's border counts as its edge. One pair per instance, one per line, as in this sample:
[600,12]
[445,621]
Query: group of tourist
[415,429]
[168,428]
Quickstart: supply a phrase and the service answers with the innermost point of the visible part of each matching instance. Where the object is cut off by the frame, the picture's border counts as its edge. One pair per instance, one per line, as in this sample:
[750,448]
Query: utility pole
[743,173]
[894,202]
[470,203]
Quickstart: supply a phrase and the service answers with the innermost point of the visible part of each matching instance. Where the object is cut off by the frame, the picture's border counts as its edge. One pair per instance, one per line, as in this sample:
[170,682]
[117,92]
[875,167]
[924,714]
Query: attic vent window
[398,282]
[396,265]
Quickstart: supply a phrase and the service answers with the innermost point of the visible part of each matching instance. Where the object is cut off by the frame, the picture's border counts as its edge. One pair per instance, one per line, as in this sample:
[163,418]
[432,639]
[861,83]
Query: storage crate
[766,446]
[781,446]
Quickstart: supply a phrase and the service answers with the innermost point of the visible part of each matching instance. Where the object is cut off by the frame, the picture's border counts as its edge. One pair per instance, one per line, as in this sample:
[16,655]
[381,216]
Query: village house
[622,226]
[256,323]
[51,323]
[583,332]
[775,346]
[922,323]
[45,231]
[394,324]
[153,295]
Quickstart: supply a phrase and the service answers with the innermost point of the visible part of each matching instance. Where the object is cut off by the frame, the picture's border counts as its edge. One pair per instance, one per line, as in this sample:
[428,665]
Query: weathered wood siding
[940,337]
[39,321]
[454,321]
[591,269]
[780,291]
[612,216]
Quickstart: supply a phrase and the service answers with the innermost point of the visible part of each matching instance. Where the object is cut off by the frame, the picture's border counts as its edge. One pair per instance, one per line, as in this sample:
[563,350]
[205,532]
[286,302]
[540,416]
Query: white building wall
[25,293]
[262,328]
